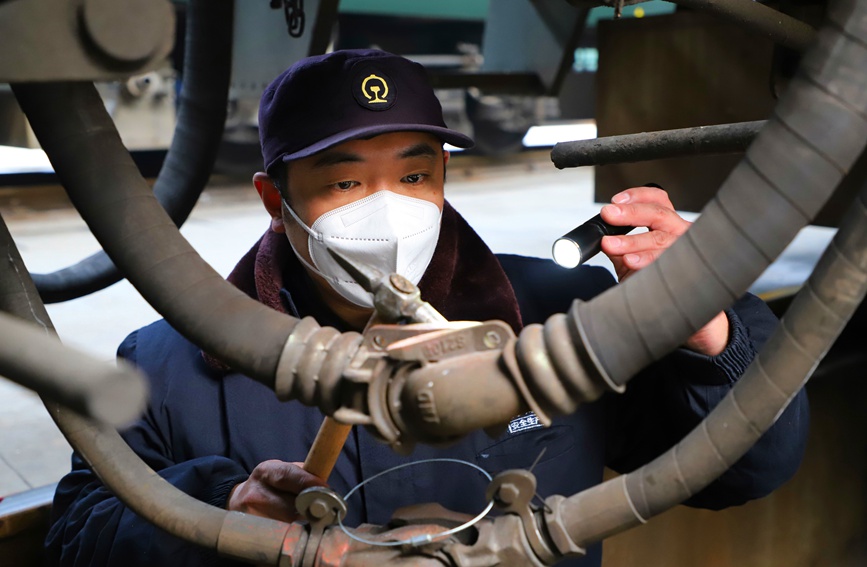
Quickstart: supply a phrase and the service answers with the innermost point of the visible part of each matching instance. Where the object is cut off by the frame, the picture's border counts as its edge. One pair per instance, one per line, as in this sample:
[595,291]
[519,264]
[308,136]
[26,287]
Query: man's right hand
[271,490]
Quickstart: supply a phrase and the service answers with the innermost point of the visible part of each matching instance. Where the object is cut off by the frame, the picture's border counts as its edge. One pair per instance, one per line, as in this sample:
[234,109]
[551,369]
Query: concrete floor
[519,206]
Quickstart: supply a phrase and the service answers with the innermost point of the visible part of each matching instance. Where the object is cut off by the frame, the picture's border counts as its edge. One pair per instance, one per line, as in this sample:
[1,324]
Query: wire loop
[417,541]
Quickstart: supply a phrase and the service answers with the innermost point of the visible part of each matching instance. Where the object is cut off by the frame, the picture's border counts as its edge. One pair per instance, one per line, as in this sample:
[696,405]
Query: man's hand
[271,490]
[651,208]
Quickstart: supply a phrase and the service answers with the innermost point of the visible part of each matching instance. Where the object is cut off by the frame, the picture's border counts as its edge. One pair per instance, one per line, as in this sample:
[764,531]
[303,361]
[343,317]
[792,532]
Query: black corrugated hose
[103,183]
[190,159]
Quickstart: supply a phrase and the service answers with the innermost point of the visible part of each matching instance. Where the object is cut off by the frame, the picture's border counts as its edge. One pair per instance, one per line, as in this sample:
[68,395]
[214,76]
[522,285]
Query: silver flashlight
[583,242]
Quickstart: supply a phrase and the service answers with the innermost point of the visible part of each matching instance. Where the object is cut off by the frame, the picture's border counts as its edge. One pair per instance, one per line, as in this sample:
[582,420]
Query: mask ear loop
[309,231]
[300,222]
[424,539]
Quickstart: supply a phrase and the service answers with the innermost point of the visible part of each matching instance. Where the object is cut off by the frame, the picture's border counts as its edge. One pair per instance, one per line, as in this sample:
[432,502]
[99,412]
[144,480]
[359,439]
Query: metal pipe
[34,358]
[774,25]
[188,163]
[815,319]
[629,148]
[106,187]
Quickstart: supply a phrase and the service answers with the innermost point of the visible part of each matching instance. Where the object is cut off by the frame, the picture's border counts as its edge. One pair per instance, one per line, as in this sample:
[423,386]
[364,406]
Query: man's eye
[414,178]
[345,185]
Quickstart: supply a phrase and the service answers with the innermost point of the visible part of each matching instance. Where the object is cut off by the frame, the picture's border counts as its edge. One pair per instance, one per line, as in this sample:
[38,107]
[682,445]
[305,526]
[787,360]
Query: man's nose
[385,186]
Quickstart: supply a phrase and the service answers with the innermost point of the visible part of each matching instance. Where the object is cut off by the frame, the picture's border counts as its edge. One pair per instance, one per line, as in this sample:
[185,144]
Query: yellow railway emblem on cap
[380,91]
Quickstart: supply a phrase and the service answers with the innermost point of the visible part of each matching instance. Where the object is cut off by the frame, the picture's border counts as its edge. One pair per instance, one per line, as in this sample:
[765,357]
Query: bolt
[492,339]
[317,510]
[401,284]
[508,493]
[127,31]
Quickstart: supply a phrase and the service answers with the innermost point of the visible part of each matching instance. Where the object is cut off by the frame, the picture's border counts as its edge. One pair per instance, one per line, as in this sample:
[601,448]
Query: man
[353,149]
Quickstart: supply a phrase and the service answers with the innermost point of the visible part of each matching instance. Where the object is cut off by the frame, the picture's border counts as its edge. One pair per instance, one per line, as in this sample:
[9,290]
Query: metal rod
[774,25]
[628,148]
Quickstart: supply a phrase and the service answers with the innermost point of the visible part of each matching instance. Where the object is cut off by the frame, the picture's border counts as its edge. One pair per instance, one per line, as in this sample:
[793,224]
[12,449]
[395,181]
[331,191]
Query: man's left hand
[650,207]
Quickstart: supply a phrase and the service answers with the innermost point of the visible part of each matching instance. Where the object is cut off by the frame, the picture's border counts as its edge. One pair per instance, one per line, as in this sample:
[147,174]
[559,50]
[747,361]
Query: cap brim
[449,136]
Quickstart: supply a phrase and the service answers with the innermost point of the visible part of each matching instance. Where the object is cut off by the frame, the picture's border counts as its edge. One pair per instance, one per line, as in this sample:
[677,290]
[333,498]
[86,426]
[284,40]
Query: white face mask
[390,232]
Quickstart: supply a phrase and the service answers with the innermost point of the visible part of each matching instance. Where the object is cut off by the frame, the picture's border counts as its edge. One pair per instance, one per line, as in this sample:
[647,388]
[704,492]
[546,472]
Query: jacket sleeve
[667,400]
[90,526]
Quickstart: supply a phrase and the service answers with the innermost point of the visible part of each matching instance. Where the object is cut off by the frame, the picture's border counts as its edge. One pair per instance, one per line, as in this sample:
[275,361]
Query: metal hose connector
[312,364]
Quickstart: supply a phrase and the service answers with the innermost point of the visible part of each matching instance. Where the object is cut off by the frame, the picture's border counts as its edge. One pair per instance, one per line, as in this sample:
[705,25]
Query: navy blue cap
[325,100]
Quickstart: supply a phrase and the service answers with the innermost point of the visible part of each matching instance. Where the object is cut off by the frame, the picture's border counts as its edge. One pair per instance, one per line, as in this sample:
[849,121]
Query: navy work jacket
[204,431]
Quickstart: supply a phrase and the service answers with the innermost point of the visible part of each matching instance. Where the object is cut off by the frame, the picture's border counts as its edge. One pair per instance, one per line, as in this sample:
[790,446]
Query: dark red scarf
[464,280]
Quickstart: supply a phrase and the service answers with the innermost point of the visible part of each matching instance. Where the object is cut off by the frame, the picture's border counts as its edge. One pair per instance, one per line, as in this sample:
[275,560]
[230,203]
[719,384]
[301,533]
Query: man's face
[406,163]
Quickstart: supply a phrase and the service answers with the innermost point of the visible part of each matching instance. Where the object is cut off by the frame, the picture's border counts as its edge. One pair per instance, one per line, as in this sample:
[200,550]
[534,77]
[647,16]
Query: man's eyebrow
[421,149]
[336,158]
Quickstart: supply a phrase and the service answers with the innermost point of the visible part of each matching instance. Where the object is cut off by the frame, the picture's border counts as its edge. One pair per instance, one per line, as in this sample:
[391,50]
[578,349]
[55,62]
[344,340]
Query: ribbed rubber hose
[190,159]
[817,132]
[812,323]
[825,138]
[121,470]
[103,183]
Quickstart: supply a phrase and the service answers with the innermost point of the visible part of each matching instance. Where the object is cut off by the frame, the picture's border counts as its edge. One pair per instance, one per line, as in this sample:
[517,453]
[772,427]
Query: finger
[643,195]
[653,216]
[620,268]
[254,497]
[286,477]
[637,261]
[268,504]
[635,243]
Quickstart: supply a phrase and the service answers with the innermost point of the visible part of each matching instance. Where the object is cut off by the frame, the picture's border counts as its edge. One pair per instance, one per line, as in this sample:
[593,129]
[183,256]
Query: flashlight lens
[566,253]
